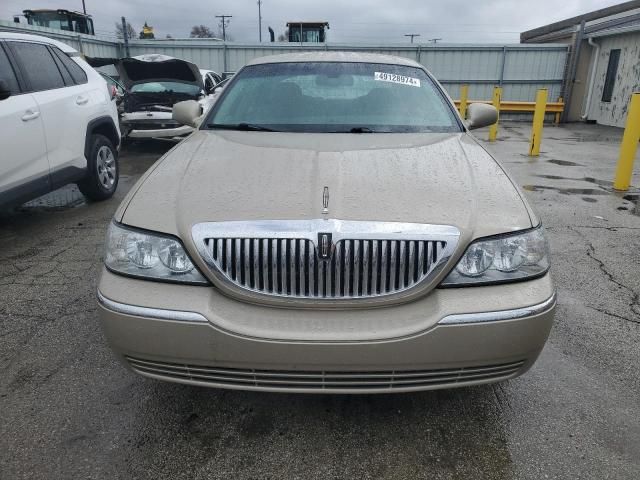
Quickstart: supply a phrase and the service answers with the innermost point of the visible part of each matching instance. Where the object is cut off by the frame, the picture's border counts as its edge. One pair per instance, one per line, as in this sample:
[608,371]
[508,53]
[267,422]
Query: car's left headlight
[147,255]
[505,258]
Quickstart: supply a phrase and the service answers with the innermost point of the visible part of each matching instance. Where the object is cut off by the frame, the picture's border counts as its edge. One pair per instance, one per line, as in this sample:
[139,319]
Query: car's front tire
[103,171]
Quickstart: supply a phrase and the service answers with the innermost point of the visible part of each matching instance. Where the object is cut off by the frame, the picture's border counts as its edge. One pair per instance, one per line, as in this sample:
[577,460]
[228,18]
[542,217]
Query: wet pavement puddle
[565,163]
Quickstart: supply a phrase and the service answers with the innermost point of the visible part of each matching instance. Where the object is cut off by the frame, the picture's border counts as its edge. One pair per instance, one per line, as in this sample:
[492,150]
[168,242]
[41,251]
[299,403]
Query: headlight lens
[507,258]
[153,256]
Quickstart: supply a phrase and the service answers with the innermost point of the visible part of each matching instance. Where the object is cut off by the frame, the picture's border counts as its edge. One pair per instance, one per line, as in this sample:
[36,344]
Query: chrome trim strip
[501,315]
[148,312]
[341,229]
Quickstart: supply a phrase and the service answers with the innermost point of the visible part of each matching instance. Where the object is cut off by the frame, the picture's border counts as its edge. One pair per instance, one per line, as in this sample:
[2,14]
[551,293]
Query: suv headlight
[147,255]
[507,258]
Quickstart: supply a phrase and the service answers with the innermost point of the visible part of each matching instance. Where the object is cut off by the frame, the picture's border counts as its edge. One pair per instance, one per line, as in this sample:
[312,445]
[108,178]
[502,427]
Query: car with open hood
[332,227]
[153,84]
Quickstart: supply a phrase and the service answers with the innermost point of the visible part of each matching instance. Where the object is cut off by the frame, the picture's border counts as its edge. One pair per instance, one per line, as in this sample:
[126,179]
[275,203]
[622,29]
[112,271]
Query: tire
[103,170]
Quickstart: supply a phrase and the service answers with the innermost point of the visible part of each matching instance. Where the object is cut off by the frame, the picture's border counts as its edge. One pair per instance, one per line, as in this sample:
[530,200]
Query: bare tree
[284,37]
[201,31]
[131,32]
[220,35]
[223,29]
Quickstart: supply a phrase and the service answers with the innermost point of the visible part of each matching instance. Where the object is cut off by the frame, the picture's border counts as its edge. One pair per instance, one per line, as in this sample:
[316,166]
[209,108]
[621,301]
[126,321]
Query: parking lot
[69,410]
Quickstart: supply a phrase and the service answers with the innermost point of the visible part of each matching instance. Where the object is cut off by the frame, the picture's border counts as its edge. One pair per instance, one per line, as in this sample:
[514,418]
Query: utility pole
[434,40]
[224,25]
[259,21]
[412,35]
[125,37]
[84,9]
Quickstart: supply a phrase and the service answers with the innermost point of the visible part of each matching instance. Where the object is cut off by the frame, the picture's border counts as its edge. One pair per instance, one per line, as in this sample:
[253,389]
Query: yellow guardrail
[520,107]
[497,100]
[539,108]
[538,123]
[629,146]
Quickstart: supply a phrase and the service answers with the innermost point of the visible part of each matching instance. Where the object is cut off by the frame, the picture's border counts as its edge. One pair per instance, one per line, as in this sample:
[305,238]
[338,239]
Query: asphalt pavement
[68,409]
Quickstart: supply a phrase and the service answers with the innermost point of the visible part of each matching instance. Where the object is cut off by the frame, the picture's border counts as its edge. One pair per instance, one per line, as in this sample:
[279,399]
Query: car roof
[346,57]
[37,38]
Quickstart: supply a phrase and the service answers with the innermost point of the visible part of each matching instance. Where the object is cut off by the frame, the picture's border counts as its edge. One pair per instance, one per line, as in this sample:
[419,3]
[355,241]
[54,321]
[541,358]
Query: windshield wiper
[356,130]
[246,127]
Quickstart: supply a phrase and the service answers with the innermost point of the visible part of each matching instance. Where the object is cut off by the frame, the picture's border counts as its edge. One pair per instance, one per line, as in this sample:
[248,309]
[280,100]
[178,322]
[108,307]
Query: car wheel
[101,180]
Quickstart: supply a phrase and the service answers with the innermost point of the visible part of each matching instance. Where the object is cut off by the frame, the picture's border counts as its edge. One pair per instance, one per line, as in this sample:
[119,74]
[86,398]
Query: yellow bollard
[464,96]
[557,119]
[629,145]
[497,98]
[538,122]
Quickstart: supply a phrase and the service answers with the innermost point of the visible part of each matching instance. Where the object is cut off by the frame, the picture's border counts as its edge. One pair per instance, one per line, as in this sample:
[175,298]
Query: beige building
[604,66]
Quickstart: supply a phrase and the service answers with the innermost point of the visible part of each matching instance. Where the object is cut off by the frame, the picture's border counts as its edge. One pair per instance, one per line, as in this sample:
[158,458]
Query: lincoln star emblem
[324,246]
[325,201]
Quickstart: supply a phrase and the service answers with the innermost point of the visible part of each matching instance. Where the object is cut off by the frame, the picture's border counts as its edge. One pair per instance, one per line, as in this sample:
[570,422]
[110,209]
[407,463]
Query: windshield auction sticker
[395,78]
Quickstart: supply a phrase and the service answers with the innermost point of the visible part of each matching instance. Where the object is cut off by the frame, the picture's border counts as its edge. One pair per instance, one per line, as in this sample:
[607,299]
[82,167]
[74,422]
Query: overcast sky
[350,20]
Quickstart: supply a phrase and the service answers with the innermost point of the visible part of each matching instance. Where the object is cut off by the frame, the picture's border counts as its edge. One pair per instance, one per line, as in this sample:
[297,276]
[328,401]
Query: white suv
[58,122]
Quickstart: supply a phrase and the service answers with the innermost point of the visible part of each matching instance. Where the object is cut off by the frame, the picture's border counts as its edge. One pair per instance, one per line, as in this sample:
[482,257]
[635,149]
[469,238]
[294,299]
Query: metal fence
[520,69]
[90,45]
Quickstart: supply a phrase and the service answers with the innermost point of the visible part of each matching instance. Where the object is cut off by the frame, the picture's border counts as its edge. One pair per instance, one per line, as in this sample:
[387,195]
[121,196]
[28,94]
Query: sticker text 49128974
[395,78]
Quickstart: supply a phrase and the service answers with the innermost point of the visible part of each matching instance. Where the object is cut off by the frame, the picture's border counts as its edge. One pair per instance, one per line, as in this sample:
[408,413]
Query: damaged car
[154,83]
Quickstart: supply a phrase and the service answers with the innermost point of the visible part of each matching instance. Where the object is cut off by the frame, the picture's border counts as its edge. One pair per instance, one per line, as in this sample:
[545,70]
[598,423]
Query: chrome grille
[357,268]
[279,261]
[326,381]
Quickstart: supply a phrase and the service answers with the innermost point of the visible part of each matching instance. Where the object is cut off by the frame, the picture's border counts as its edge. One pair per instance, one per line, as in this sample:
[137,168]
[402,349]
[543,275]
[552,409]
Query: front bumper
[152,125]
[160,132]
[448,339]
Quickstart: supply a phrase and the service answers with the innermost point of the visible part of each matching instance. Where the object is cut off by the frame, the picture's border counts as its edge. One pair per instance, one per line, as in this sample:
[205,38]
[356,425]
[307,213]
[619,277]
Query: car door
[23,164]
[209,83]
[62,106]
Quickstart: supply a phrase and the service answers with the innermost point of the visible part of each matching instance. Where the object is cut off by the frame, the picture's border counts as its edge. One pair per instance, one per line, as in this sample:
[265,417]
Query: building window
[612,71]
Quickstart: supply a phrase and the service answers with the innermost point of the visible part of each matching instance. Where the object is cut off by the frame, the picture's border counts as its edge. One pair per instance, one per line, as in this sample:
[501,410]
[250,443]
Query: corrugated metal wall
[614,113]
[519,69]
[90,45]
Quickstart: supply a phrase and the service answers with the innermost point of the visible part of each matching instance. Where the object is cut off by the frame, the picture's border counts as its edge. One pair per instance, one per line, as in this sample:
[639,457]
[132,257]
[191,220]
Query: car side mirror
[5,91]
[187,113]
[481,115]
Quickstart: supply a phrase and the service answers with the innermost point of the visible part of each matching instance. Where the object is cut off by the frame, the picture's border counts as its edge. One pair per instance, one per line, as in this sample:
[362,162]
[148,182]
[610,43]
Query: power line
[224,25]
[259,21]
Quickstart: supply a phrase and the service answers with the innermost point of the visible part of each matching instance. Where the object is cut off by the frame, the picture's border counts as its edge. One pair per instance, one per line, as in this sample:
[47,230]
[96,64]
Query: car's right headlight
[148,255]
[505,258]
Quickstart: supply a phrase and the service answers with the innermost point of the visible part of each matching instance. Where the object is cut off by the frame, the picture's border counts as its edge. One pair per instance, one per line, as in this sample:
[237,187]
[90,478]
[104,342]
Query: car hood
[446,179]
[157,68]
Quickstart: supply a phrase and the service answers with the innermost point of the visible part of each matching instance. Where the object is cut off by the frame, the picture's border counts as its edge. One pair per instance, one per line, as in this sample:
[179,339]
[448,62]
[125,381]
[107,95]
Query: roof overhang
[553,29]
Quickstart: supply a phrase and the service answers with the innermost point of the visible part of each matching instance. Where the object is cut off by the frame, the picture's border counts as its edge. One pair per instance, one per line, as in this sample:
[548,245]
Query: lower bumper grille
[335,381]
[152,125]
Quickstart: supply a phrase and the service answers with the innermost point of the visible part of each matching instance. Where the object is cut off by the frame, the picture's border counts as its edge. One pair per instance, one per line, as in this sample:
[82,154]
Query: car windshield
[333,97]
[166,87]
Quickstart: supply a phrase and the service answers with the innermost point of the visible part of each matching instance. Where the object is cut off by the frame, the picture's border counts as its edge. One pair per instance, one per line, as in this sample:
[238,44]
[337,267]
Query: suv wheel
[101,180]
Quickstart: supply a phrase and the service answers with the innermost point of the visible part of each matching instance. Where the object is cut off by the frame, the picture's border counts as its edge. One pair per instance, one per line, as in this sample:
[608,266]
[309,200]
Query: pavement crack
[635,296]
[615,315]
[602,227]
